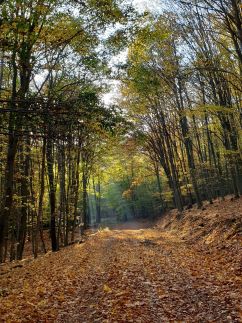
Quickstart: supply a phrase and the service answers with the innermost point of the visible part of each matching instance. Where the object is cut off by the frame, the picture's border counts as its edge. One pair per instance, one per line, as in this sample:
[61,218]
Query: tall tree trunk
[41,198]
[25,199]
[77,182]
[52,196]
[85,213]
[9,168]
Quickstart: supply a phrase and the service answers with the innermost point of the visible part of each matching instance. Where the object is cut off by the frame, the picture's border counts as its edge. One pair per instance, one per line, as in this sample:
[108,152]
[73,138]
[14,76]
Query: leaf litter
[175,271]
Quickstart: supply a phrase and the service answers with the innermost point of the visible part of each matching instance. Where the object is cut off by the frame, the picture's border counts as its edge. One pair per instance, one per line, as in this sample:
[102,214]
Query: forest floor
[184,268]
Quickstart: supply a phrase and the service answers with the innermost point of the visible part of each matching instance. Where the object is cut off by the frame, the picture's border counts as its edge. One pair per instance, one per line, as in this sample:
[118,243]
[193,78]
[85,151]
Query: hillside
[217,225]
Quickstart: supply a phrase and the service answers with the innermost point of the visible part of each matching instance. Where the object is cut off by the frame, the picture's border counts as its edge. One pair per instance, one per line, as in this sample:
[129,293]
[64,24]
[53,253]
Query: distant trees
[126,183]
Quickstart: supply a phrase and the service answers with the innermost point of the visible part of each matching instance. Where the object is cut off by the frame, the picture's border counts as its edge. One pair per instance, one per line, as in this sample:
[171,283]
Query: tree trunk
[52,197]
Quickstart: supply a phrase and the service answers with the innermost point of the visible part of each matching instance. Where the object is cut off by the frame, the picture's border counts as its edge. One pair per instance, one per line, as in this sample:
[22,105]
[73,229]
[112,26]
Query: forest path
[129,275]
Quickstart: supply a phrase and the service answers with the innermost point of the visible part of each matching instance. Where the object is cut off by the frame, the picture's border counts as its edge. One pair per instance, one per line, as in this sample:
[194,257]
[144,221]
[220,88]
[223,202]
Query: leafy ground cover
[185,268]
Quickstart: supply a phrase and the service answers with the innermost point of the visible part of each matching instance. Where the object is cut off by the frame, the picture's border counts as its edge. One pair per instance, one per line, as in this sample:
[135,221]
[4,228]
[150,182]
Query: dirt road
[136,275]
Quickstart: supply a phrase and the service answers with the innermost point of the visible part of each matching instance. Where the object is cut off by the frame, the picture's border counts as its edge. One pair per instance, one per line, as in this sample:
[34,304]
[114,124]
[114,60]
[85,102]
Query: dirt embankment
[214,225]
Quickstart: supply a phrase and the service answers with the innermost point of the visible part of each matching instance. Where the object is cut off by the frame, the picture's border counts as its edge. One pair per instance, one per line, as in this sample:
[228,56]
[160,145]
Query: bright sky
[151,5]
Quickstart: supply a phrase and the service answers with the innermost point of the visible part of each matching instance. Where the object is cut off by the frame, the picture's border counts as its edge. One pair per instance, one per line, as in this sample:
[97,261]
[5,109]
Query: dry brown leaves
[138,275]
